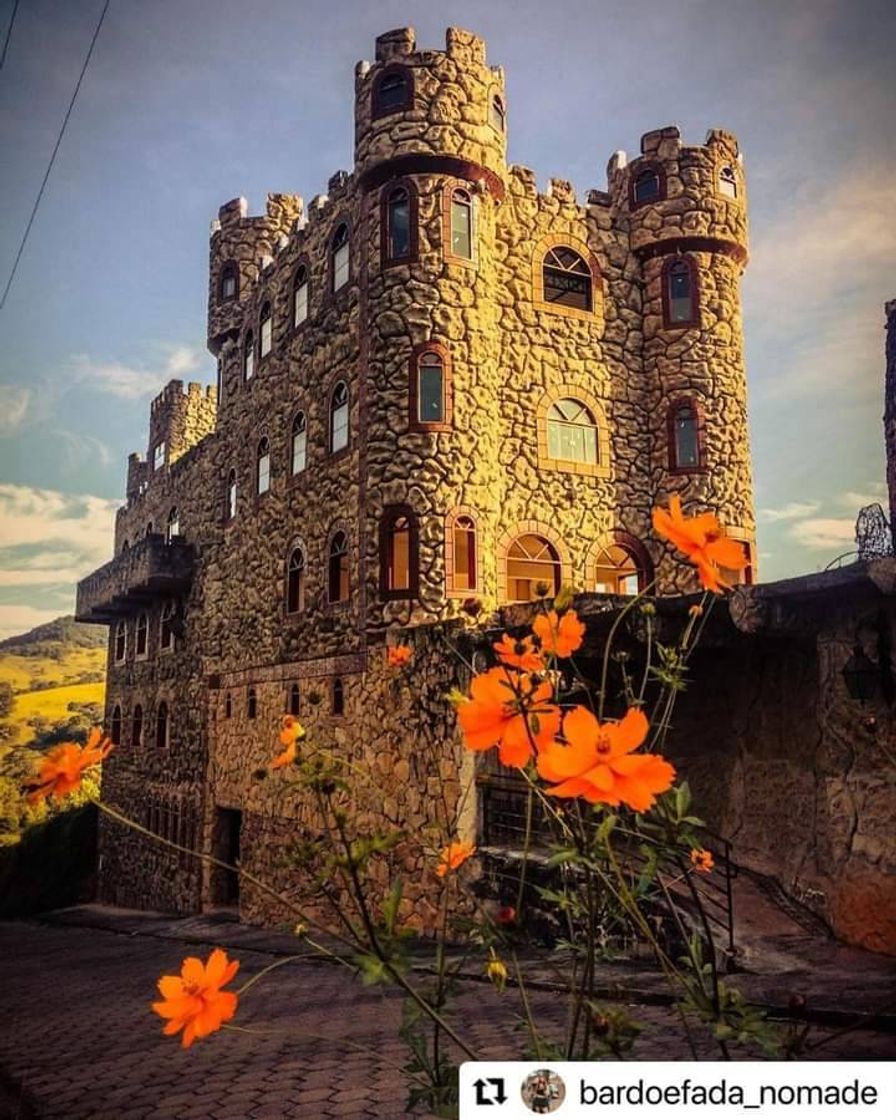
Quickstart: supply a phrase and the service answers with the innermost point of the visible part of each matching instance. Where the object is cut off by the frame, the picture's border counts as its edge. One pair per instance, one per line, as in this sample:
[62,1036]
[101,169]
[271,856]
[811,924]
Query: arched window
[567,279]
[251,702]
[428,390]
[399,559]
[137,726]
[397,225]
[460,224]
[265,331]
[162,728]
[299,443]
[148,528]
[339,418]
[685,450]
[338,706]
[728,181]
[229,285]
[249,357]
[300,292]
[172,527]
[231,495]
[294,700]
[496,114]
[166,625]
[115,726]
[393,90]
[680,292]
[295,581]
[340,258]
[141,647]
[572,432]
[121,641]
[531,560]
[463,570]
[337,569]
[263,466]
[228,706]
[647,185]
[616,572]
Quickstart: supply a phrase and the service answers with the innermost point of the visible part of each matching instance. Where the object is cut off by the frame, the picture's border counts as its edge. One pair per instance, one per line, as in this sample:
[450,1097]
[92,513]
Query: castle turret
[178,420]
[686,208]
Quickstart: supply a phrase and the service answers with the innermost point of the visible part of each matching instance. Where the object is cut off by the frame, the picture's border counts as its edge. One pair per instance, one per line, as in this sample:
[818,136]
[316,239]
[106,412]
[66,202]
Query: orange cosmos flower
[702,860]
[514,715]
[702,540]
[60,773]
[598,763]
[290,733]
[193,1002]
[457,852]
[519,653]
[397,656]
[561,636]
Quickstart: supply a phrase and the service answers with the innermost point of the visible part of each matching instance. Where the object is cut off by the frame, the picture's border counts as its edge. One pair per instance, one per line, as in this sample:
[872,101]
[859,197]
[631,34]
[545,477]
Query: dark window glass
[647,185]
[121,641]
[115,729]
[337,582]
[295,581]
[172,529]
[728,182]
[567,279]
[137,727]
[430,389]
[228,706]
[229,281]
[462,225]
[294,700]
[687,447]
[338,697]
[464,554]
[681,300]
[251,704]
[162,726]
[398,219]
[142,635]
[391,93]
[166,627]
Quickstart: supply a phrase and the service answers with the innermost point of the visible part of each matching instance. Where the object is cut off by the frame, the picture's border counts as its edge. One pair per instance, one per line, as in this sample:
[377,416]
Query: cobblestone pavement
[79,1035]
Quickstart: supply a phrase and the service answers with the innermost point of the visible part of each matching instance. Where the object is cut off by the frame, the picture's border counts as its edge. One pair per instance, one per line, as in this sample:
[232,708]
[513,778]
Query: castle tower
[686,209]
[890,411]
[178,420]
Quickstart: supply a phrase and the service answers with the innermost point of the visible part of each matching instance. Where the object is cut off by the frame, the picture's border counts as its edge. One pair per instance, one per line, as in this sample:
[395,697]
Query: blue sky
[187,104]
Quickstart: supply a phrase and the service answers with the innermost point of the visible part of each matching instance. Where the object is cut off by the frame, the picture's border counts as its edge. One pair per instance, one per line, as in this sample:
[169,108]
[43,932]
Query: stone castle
[435,384]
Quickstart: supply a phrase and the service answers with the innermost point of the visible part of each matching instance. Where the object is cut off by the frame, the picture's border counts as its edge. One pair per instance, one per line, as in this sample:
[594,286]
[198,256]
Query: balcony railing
[151,569]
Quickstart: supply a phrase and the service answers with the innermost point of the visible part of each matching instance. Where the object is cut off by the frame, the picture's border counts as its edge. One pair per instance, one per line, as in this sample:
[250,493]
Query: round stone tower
[430,137]
[687,219]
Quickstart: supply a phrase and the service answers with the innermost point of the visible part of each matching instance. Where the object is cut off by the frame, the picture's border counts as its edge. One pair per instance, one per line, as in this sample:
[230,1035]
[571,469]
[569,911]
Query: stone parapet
[148,570]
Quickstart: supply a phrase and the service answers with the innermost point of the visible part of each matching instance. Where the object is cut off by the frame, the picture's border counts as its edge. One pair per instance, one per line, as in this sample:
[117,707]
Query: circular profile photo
[543,1091]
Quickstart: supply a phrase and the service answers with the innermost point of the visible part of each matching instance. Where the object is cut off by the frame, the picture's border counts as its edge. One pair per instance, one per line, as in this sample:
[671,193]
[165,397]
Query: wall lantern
[861,675]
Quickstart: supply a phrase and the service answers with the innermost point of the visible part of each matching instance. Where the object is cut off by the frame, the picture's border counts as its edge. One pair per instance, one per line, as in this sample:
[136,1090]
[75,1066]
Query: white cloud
[133,381]
[18,618]
[825,533]
[14,400]
[80,449]
[857,499]
[789,512]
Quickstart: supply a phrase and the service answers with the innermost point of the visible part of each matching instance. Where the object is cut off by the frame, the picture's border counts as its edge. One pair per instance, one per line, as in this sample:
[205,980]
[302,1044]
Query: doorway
[225,883]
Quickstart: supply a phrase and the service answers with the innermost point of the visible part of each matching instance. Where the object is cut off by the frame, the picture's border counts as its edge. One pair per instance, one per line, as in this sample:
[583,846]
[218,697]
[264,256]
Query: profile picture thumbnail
[543,1091]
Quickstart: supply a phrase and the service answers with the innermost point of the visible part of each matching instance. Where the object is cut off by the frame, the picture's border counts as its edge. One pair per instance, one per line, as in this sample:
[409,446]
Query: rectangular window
[461,233]
[340,428]
[464,559]
[430,402]
[264,474]
[301,305]
[266,336]
[158,456]
[298,452]
[340,267]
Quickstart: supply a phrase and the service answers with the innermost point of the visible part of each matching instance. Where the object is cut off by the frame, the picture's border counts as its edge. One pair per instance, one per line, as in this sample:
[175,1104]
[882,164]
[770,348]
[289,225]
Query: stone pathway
[80,1039]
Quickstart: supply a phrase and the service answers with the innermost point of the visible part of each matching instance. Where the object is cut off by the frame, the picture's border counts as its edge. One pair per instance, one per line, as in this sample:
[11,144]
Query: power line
[12,20]
[43,185]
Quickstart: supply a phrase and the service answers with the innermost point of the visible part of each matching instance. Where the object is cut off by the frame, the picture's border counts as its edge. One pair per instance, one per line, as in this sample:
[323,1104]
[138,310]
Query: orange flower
[560,636]
[702,860]
[193,1002]
[290,733]
[519,653]
[598,763]
[60,773]
[702,540]
[397,656]
[513,715]
[457,852]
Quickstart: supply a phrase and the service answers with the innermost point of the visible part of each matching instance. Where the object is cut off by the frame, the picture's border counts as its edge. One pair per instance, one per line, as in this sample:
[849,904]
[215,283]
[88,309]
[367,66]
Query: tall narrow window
[172,527]
[295,581]
[397,231]
[121,641]
[294,700]
[496,113]
[398,554]
[251,702]
[338,697]
[230,281]
[572,432]
[231,495]
[137,726]
[115,726]
[249,357]
[263,466]
[340,257]
[679,293]
[299,443]
[265,331]
[684,449]
[532,560]
[300,292]
[464,541]
[166,625]
[728,182]
[337,569]
[228,706]
[461,224]
[567,279]
[158,456]
[392,90]
[339,418]
[647,186]
[430,388]
[162,726]
[141,646]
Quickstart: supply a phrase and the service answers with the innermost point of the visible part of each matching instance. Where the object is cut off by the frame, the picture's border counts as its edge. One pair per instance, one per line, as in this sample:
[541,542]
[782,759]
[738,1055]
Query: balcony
[149,570]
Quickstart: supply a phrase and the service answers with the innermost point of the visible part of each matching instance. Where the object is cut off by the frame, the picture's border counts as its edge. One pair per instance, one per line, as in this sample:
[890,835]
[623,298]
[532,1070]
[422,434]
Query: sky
[189,103]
